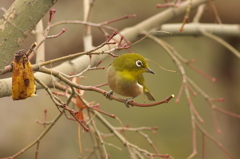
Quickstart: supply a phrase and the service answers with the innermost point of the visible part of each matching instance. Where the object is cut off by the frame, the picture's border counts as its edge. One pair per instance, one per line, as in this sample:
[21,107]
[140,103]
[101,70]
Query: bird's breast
[123,83]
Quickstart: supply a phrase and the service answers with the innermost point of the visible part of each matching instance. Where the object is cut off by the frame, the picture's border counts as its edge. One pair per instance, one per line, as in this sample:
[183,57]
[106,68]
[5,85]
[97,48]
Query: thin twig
[199,13]
[129,145]
[99,137]
[37,150]
[194,135]
[39,138]
[215,12]
[213,140]
[182,71]
[186,17]
[67,57]
[59,103]
[222,42]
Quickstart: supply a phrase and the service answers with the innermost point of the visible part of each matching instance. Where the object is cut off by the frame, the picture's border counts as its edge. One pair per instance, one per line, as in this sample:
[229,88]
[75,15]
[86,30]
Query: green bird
[125,76]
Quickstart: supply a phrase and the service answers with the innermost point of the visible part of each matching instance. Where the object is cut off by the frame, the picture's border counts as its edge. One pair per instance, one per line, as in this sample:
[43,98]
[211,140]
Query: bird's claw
[108,95]
[127,102]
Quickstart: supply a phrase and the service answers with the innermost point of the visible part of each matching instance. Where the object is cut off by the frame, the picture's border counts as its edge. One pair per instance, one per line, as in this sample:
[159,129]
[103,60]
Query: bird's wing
[145,89]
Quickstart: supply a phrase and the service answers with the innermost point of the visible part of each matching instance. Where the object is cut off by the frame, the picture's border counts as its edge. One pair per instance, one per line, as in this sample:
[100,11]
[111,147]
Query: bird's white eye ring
[139,63]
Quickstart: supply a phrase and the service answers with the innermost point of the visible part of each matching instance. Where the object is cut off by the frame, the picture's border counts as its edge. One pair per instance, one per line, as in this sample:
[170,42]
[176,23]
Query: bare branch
[193,29]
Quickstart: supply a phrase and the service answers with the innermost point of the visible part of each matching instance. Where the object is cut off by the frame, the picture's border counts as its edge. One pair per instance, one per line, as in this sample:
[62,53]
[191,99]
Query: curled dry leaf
[79,103]
[23,85]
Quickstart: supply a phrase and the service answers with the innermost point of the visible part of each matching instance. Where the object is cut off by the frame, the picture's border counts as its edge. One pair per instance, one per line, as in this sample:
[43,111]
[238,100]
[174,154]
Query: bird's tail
[149,95]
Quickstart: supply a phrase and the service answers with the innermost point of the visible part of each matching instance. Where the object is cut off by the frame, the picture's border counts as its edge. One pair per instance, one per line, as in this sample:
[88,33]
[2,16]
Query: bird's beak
[150,71]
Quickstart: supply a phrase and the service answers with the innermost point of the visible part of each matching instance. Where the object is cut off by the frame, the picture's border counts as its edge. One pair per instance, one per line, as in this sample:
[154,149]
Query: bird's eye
[139,63]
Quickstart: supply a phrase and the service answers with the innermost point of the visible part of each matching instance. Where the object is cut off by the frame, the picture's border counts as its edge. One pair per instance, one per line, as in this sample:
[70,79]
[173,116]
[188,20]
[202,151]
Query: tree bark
[17,23]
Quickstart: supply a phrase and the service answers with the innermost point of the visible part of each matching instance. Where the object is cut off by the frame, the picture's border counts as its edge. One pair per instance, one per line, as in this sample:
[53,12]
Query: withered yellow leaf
[23,85]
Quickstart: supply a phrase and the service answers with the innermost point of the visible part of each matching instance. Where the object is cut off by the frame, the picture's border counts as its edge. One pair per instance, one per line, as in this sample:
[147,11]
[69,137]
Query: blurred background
[18,126]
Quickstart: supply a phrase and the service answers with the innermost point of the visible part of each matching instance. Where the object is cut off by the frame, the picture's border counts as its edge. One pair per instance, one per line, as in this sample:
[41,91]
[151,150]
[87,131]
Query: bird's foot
[127,102]
[108,95]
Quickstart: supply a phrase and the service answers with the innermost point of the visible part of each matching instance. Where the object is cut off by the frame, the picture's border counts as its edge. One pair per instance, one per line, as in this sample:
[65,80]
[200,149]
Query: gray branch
[194,29]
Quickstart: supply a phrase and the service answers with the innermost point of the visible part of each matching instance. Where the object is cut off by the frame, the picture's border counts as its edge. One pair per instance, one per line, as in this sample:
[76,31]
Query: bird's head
[132,63]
